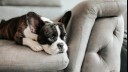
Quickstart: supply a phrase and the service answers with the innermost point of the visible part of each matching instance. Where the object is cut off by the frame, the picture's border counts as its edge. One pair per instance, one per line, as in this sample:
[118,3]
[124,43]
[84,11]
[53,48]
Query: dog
[38,33]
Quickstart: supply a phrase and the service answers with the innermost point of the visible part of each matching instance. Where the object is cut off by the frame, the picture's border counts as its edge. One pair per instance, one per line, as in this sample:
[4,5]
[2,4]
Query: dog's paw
[36,47]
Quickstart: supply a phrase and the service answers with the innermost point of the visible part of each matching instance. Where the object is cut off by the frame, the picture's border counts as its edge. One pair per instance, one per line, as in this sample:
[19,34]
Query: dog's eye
[65,37]
[64,34]
[51,38]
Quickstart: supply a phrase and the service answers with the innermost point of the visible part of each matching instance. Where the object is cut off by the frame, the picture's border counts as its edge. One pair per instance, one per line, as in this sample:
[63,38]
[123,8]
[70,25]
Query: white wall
[69,4]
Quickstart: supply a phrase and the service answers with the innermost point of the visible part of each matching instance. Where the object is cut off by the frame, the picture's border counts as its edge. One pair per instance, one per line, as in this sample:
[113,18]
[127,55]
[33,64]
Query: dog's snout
[60,45]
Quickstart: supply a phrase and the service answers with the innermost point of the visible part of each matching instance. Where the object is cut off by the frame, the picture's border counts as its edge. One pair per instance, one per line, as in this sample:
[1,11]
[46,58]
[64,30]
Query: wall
[69,4]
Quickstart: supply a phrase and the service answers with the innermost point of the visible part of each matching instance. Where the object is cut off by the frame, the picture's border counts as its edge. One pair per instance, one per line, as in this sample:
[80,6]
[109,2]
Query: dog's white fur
[29,34]
[46,19]
[30,40]
[34,45]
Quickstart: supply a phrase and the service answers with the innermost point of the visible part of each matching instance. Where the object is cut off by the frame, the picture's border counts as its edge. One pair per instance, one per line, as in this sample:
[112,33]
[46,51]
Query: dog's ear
[34,20]
[66,18]
[32,17]
[2,21]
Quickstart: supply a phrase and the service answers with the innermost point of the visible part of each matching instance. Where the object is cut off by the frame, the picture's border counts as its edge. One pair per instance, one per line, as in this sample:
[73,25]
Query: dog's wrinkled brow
[49,30]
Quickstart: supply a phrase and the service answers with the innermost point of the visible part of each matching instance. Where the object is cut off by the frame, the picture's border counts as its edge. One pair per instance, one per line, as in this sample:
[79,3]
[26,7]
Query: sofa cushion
[7,12]
[84,16]
[15,58]
[104,46]
[31,2]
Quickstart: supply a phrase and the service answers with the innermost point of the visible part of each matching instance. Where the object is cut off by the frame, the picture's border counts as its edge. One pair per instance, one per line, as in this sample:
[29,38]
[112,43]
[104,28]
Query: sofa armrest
[16,58]
[104,46]
[79,30]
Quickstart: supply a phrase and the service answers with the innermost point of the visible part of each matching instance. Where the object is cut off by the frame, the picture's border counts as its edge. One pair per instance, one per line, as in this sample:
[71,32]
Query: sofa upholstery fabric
[51,3]
[104,47]
[15,58]
[7,12]
[80,31]
[95,36]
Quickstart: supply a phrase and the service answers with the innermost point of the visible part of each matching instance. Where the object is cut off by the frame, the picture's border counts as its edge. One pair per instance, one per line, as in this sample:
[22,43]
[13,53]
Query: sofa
[94,36]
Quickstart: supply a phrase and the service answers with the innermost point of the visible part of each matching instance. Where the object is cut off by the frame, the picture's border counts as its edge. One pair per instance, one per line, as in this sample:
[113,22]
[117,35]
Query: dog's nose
[60,45]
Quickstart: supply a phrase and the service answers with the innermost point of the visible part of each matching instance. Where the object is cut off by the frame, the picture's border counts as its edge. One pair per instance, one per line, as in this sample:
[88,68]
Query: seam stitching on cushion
[116,28]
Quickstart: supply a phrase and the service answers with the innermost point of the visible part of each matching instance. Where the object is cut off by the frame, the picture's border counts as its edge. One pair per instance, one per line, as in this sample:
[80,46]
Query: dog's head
[52,36]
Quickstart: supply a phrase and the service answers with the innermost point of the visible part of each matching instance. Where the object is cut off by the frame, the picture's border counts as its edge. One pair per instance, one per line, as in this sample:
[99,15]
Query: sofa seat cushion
[31,2]
[16,58]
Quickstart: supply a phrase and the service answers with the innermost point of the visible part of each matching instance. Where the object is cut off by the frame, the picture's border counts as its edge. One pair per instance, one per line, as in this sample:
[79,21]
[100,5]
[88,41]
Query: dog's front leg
[20,39]
[28,34]
[31,36]
[35,46]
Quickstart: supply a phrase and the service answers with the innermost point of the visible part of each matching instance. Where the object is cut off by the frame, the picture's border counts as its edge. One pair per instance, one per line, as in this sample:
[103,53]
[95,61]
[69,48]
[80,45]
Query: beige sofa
[95,36]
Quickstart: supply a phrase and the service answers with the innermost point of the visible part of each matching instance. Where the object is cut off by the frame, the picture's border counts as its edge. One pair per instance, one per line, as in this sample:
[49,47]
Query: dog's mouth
[61,51]
[54,50]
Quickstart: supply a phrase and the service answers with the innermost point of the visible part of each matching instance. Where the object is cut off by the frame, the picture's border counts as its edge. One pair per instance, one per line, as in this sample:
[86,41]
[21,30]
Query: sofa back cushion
[12,8]
[8,12]
[31,2]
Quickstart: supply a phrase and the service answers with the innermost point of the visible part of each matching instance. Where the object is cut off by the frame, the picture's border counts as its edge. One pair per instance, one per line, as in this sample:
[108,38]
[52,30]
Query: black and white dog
[38,33]
[52,36]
